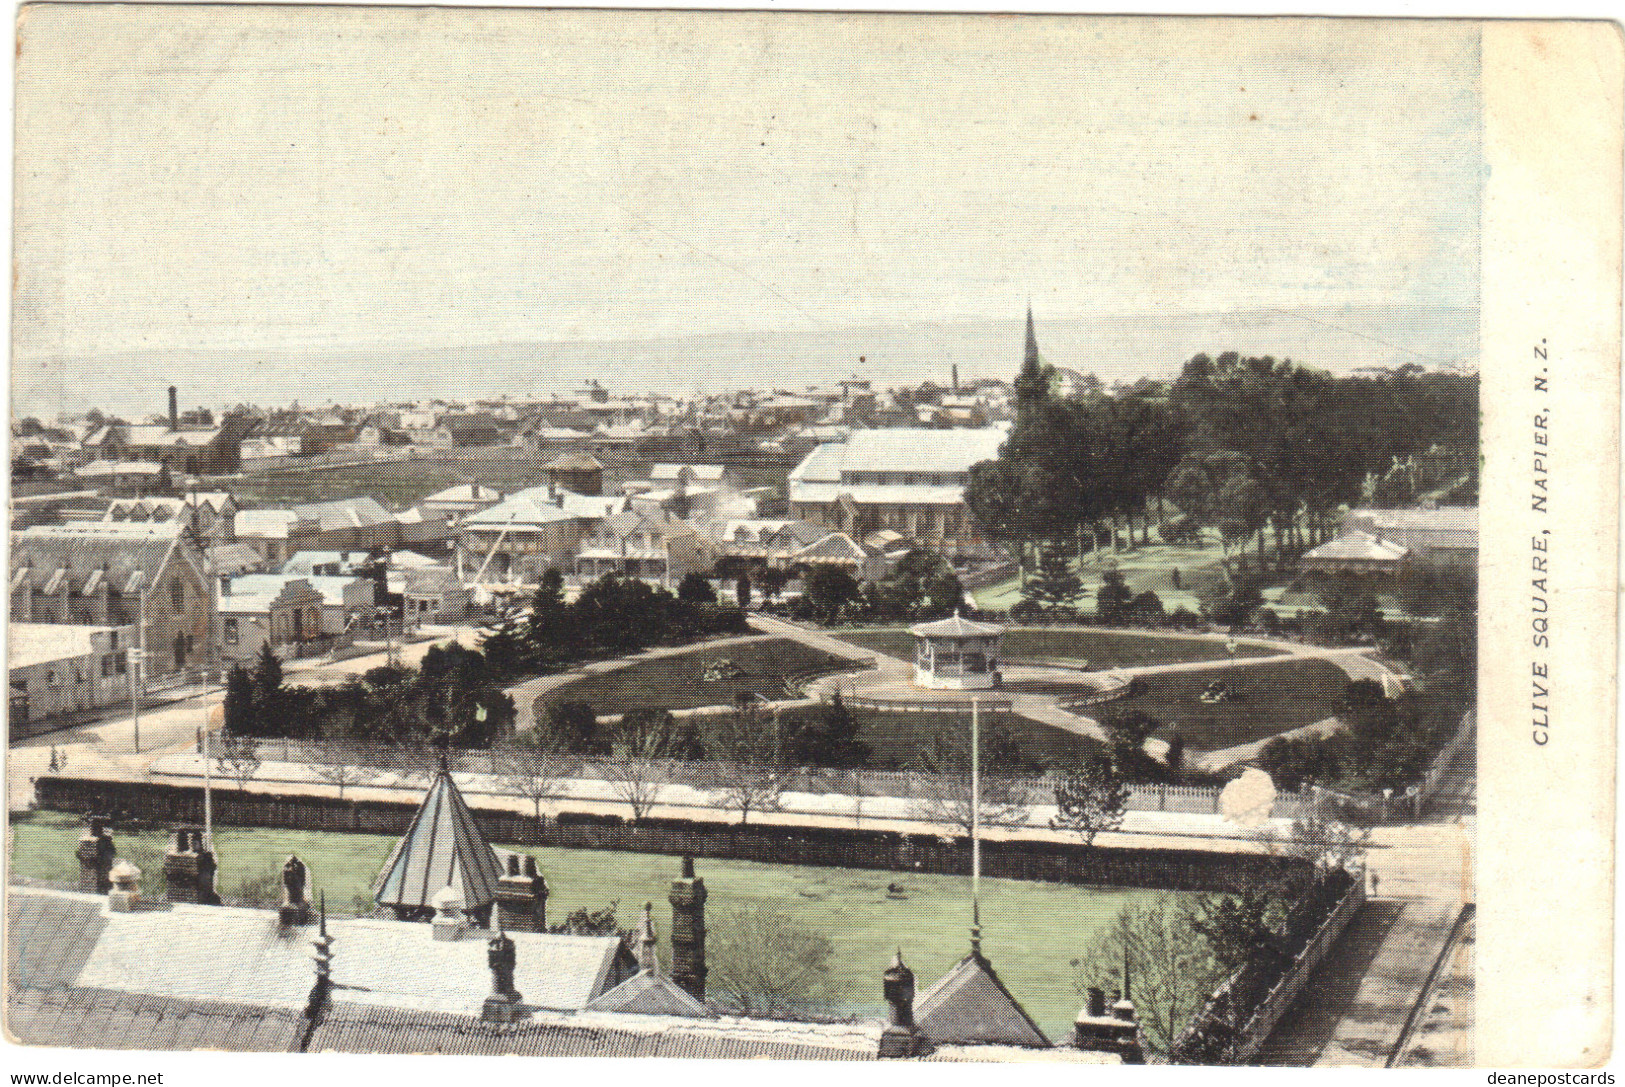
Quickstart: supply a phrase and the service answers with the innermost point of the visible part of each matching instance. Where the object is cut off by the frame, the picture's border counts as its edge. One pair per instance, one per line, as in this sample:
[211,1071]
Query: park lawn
[895,738]
[1149,566]
[1031,931]
[1102,649]
[677,682]
[1266,699]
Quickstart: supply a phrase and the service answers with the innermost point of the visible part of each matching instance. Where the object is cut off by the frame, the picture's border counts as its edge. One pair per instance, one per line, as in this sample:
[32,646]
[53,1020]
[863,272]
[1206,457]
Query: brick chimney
[189,868]
[688,931]
[95,854]
[522,896]
[174,410]
[901,1038]
[1114,1031]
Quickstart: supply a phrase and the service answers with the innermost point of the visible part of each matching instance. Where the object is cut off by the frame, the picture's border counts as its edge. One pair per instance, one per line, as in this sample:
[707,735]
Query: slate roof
[200,977]
[971,1006]
[85,548]
[443,847]
[234,558]
[330,586]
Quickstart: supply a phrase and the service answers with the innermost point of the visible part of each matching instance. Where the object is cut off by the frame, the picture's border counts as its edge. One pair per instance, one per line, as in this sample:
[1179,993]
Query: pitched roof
[84,1018]
[971,1006]
[574,462]
[533,507]
[343,513]
[955,627]
[41,643]
[649,992]
[901,449]
[466,492]
[443,847]
[85,548]
[1356,547]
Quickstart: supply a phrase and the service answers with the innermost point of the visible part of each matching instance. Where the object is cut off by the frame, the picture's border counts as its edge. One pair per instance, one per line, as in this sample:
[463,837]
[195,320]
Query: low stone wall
[166,805]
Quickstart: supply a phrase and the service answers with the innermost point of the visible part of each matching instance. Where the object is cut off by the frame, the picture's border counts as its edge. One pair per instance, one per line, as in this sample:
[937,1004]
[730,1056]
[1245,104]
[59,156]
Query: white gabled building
[907,480]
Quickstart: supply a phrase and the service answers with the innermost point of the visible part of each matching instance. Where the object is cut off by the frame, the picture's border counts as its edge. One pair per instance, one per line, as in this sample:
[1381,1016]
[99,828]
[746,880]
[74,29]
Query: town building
[530,532]
[285,614]
[649,546]
[118,574]
[59,669]
[911,481]
[454,503]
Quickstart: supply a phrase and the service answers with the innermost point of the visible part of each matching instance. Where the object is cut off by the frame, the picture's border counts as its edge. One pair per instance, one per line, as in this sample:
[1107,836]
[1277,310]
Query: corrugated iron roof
[89,1018]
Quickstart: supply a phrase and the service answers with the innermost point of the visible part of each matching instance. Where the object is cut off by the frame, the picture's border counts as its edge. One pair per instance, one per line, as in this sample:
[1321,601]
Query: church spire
[1032,384]
[1029,363]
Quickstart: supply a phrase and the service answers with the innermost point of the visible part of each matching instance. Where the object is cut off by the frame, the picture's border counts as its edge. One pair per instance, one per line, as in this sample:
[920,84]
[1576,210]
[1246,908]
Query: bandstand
[957,654]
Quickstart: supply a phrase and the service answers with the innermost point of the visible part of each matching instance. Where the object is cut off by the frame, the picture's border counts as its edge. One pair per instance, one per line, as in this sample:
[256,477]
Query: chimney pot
[449,921]
[1097,1002]
[505,1004]
[126,893]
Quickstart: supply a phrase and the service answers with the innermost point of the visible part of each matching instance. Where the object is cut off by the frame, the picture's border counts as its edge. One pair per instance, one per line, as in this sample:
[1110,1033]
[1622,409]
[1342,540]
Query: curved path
[893,679]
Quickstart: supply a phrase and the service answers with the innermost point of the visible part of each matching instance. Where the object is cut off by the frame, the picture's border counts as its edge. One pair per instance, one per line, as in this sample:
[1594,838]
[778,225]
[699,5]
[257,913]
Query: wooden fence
[712,774]
[132,804]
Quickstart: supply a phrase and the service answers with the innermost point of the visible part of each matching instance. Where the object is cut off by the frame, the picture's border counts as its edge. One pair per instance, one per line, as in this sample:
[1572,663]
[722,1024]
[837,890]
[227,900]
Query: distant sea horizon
[133,384]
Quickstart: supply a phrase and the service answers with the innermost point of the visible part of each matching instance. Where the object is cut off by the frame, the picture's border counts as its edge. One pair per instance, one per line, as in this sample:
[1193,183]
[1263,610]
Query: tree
[569,727]
[827,736]
[944,786]
[752,777]
[1090,797]
[1055,586]
[241,713]
[1114,600]
[267,674]
[1325,843]
[1238,927]
[344,774]
[636,779]
[830,588]
[548,623]
[742,590]
[654,732]
[238,759]
[532,774]
[696,589]
[1171,969]
[773,580]
[765,964]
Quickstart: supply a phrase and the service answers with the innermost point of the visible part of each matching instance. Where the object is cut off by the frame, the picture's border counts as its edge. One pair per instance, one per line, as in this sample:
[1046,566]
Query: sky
[291,191]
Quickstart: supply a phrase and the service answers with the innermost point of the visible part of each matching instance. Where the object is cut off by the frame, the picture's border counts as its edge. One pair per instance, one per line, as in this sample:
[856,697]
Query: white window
[230,631]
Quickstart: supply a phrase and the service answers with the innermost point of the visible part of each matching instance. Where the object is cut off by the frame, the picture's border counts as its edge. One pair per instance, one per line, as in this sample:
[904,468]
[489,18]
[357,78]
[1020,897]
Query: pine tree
[1054,586]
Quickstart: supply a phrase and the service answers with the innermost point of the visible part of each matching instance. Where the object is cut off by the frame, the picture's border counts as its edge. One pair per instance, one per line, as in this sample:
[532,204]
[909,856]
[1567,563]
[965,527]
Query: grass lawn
[1031,931]
[1266,699]
[394,483]
[677,682]
[895,738]
[1102,649]
[1150,566]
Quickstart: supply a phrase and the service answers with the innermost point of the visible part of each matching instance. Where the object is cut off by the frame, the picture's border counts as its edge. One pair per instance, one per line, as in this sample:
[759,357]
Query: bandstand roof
[955,627]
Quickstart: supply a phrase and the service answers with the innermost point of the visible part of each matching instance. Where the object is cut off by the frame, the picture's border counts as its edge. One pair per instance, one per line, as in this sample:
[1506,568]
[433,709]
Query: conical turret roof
[443,847]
